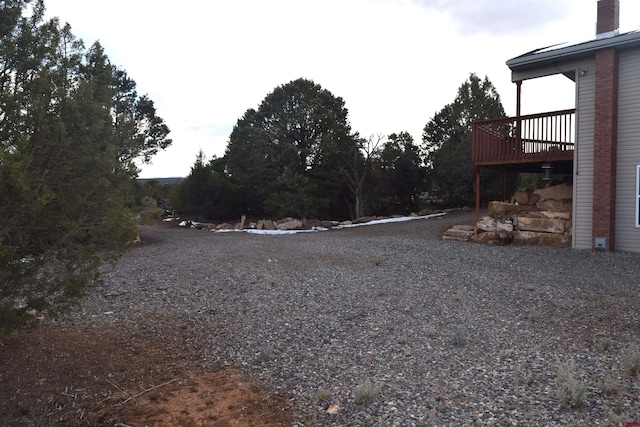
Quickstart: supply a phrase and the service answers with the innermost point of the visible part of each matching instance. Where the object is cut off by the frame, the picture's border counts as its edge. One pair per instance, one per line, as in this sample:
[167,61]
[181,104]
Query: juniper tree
[71,128]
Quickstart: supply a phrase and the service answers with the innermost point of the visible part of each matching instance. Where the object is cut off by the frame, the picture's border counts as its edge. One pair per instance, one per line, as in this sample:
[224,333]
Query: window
[638,196]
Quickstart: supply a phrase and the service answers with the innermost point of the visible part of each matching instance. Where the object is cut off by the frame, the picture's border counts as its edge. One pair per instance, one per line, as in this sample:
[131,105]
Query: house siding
[583,158]
[628,151]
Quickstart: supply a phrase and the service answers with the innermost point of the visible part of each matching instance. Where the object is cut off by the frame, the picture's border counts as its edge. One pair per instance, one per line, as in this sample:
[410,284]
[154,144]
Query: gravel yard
[388,325]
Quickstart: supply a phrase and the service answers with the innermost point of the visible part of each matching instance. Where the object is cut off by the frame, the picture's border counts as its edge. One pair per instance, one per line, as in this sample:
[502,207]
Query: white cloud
[500,18]
[394,62]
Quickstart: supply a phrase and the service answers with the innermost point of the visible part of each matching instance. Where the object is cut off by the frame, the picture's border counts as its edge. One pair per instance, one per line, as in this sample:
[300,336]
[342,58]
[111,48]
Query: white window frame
[638,196]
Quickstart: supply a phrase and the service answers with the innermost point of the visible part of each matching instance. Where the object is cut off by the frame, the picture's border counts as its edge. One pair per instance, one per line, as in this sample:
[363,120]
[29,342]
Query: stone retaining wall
[533,217]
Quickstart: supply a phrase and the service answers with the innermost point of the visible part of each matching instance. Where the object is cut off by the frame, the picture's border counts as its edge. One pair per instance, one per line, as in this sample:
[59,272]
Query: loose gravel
[389,325]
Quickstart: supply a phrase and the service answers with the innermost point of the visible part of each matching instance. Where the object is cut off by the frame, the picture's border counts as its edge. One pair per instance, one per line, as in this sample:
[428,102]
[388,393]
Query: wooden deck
[525,143]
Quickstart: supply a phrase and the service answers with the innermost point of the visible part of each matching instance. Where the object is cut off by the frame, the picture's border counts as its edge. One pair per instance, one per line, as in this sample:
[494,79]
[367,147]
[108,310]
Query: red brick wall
[605,143]
[608,16]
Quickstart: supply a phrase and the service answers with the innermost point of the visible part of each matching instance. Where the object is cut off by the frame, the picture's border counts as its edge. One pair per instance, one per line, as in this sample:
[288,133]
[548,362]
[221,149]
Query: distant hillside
[163,181]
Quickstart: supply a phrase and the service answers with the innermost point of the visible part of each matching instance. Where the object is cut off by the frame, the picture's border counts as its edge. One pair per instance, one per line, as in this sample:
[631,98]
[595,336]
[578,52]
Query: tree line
[296,155]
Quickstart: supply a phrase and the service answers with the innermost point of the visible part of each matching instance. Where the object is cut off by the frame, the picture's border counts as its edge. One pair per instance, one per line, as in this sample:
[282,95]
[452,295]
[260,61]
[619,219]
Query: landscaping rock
[310,223]
[522,197]
[555,215]
[505,208]
[460,233]
[556,192]
[292,224]
[545,239]
[543,225]
[329,224]
[494,237]
[491,224]
[555,205]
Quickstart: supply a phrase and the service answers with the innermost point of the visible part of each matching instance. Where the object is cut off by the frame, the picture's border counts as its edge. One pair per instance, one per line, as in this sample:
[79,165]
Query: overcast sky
[394,62]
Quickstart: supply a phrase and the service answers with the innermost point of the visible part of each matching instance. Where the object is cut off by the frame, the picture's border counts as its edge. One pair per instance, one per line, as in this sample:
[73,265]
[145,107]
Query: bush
[631,360]
[570,390]
[366,393]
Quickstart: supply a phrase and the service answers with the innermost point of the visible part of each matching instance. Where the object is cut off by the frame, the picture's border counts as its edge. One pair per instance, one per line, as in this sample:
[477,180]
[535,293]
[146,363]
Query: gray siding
[627,235]
[583,158]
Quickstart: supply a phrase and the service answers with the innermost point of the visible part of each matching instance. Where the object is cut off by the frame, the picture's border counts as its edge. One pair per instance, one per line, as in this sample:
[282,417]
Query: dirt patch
[85,375]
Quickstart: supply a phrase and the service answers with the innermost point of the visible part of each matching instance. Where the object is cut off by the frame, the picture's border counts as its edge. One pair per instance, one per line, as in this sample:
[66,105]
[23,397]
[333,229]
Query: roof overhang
[565,52]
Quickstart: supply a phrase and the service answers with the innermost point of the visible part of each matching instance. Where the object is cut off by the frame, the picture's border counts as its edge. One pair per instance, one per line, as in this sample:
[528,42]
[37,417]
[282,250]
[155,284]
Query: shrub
[610,385]
[377,259]
[570,390]
[324,395]
[366,393]
[631,360]
[605,343]
[459,337]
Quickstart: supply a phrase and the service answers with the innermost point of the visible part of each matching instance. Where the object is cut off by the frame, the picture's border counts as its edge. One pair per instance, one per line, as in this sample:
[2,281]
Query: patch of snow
[390,220]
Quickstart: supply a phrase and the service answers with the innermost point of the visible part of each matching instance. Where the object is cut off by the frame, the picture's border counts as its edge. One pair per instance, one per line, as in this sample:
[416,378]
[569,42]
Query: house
[597,145]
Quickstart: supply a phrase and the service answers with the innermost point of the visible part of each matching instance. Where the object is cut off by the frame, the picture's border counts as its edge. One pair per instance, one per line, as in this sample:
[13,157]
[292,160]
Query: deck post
[477,193]
[505,188]
[518,113]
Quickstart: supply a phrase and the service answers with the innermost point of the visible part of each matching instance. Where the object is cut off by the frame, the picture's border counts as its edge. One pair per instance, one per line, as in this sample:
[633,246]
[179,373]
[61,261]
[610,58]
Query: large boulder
[526,197]
[459,233]
[555,205]
[555,215]
[541,239]
[542,225]
[493,237]
[487,224]
[310,223]
[292,224]
[556,192]
[505,208]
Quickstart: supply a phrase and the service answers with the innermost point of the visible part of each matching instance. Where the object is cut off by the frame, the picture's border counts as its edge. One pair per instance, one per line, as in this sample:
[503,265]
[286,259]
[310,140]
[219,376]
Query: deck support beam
[477,193]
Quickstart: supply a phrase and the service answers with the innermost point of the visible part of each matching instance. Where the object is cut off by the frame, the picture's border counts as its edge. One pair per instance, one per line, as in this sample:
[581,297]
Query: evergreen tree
[402,174]
[288,150]
[68,142]
[447,142]
[206,192]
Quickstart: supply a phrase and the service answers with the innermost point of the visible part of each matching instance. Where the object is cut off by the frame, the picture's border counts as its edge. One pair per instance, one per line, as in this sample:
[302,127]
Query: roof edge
[556,53]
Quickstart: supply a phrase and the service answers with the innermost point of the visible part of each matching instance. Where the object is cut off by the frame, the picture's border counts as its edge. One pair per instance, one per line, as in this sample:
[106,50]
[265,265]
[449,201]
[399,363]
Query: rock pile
[290,223]
[267,224]
[533,217]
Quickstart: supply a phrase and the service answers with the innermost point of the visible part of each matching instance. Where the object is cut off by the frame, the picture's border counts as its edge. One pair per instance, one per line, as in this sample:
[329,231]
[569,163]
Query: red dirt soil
[85,375]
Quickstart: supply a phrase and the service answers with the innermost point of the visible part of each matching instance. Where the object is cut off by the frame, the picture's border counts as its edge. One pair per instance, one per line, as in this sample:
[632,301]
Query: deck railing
[533,138]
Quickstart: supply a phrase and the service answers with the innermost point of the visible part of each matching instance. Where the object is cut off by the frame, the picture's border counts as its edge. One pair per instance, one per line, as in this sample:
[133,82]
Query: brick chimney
[608,18]
[605,135]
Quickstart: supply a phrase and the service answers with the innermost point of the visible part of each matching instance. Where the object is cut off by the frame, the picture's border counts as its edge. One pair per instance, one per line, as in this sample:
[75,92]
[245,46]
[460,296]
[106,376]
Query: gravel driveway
[389,325]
